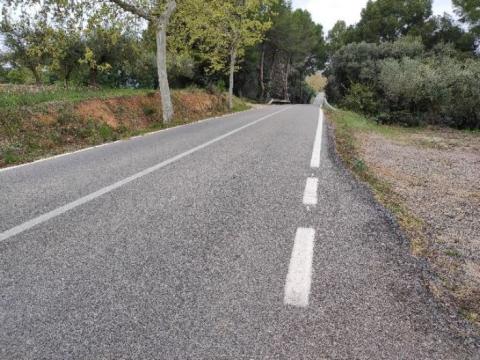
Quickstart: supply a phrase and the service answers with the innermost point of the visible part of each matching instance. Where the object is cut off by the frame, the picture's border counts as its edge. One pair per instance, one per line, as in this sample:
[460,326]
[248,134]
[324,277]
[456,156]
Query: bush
[440,90]
[402,117]
[149,110]
[362,99]
[217,88]
[20,76]
[406,84]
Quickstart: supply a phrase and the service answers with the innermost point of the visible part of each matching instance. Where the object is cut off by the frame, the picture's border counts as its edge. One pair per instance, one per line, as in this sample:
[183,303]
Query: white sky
[327,12]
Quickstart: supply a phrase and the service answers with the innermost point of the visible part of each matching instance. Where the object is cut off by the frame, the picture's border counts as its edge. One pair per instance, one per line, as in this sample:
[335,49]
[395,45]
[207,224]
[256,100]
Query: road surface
[233,238]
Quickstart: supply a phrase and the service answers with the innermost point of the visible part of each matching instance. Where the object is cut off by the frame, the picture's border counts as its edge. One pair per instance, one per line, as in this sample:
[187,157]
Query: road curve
[234,238]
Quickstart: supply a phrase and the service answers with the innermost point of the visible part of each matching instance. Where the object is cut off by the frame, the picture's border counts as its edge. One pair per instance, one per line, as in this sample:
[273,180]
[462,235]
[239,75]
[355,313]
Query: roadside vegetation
[408,84]
[58,121]
[14,96]
[401,65]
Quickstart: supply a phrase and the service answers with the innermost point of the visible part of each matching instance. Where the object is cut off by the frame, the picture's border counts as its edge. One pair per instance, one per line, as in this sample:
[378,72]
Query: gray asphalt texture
[189,262]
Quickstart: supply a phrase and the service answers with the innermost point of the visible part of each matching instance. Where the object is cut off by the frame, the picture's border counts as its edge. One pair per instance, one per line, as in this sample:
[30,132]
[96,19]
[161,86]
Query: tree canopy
[469,10]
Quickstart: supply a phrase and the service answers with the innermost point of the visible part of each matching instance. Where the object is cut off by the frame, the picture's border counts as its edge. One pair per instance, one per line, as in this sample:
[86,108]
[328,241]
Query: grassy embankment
[35,123]
[426,177]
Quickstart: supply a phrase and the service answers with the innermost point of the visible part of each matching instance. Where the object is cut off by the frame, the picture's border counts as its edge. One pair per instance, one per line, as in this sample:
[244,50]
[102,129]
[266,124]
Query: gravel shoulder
[429,179]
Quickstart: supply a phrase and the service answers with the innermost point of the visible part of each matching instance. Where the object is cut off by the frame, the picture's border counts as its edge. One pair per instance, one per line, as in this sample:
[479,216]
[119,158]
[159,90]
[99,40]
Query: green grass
[453,253]
[12,99]
[356,122]
[240,105]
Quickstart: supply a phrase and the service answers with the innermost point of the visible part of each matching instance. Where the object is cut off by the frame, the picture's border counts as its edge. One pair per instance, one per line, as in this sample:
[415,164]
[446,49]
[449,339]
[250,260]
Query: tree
[29,44]
[337,36]
[443,29]
[387,20]
[292,49]
[67,53]
[106,46]
[340,35]
[317,82]
[469,11]
[232,26]
[303,46]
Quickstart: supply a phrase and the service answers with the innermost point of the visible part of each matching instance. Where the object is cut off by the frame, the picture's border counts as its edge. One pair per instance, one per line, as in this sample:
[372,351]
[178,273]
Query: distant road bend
[234,238]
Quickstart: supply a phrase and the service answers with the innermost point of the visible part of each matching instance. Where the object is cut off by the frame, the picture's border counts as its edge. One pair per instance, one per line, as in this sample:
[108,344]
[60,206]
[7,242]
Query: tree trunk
[270,80]
[66,77]
[161,22]
[163,86]
[262,73]
[233,60]
[161,38]
[287,71]
[36,75]
[272,67]
[93,77]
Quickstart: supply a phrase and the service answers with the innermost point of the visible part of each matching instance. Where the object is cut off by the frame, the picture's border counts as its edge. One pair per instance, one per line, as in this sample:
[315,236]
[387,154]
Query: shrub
[106,132]
[149,110]
[217,88]
[402,117]
[441,90]
[406,84]
[19,76]
[361,98]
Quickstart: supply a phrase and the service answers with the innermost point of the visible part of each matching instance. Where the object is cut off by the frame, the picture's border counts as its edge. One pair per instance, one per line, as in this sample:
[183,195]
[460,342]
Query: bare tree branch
[169,9]
[132,9]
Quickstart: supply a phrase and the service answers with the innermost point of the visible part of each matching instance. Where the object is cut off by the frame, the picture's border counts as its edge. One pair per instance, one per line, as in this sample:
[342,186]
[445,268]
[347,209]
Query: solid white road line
[299,278]
[56,212]
[317,145]
[310,194]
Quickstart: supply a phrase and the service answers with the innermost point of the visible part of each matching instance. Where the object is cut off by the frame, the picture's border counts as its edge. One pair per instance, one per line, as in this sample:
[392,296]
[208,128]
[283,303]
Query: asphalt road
[234,238]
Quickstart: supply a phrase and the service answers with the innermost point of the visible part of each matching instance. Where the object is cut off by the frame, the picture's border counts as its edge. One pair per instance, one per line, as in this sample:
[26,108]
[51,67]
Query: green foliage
[402,82]
[390,20]
[442,90]
[149,110]
[469,10]
[22,96]
[239,105]
[106,133]
[444,29]
[387,20]
[9,156]
[361,98]
[293,48]
[28,44]
[20,75]
[339,36]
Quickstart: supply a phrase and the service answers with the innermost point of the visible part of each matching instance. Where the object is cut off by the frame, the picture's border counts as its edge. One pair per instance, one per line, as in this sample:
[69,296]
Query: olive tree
[156,12]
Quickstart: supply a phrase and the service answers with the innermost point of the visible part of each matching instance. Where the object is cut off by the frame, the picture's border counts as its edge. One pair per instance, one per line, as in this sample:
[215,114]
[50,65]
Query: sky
[327,12]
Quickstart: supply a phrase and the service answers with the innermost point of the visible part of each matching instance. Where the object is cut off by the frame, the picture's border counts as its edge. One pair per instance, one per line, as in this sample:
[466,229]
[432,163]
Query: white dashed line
[310,194]
[317,145]
[63,209]
[299,278]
